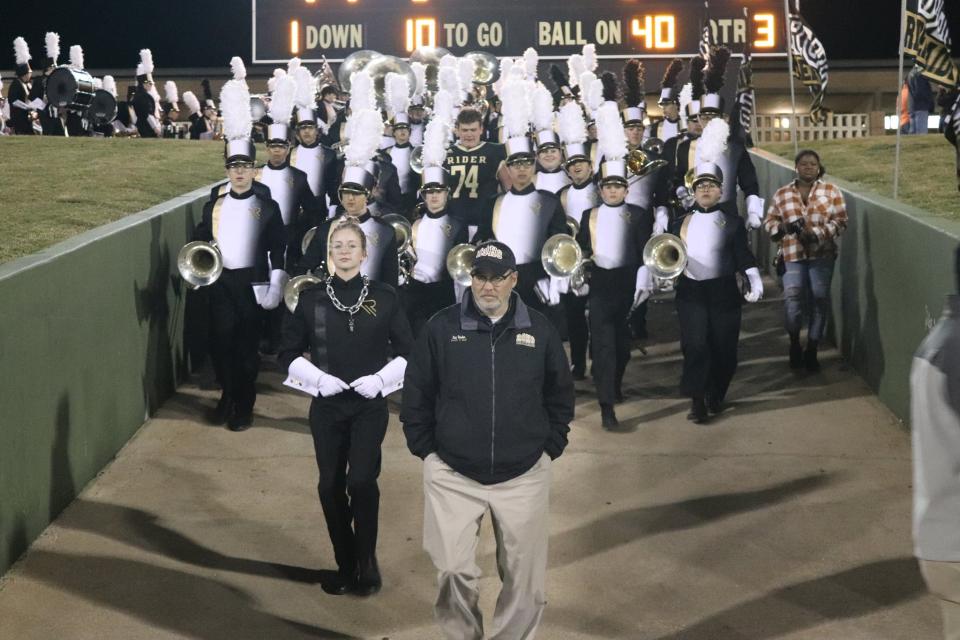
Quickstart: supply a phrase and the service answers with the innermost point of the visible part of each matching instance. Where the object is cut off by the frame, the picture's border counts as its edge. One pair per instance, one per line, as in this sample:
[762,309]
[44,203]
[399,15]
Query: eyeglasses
[707,186]
[496,281]
[521,163]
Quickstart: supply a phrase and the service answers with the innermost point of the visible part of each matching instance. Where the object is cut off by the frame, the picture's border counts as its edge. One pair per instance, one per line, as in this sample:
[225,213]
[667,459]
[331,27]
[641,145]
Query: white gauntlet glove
[644,288]
[303,375]
[754,212]
[278,280]
[547,291]
[385,381]
[756,285]
[661,219]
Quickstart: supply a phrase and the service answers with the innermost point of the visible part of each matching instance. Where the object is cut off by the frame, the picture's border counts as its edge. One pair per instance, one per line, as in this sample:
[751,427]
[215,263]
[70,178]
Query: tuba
[573,226]
[307,239]
[486,67]
[460,263]
[200,263]
[354,62]
[378,69]
[296,286]
[562,257]
[405,251]
[642,164]
[416,160]
[665,255]
[429,56]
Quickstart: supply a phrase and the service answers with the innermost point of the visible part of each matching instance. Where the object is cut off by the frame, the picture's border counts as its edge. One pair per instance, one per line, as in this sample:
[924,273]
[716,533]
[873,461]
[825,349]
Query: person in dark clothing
[488,398]
[348,326]
[921,100]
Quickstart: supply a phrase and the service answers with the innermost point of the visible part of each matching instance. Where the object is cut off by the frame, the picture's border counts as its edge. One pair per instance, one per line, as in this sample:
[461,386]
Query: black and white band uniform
[523,220]
[314,158]
[381,263]
[708,298]
[248,230]
[613,237]
[348,328]
[299,208]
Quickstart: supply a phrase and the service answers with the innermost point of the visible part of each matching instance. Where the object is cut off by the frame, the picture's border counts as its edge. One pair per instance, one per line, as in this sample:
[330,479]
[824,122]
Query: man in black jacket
[488,398]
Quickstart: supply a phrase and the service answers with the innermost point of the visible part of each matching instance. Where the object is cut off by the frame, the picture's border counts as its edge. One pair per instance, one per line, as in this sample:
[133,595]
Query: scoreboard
[312,29]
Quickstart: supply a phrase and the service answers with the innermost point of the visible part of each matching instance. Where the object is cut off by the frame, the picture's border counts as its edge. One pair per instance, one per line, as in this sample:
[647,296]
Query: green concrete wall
[894,269]
[90,345]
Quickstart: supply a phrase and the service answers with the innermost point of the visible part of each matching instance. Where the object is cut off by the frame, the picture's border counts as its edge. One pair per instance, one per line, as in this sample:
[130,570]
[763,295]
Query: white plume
[281,103]
[586,81]
[189,99]
[571,126]
[448,80]
[420,71]
[238,69]
[465,70]
[590,57]
[515,108]
[76,57]
[170,92]
[448,61]
[52,42]
[362,95]
[366,131]
[443,107]
[611,138]
[506,64]
[272,80]
[435,143]
[542,108]
[397,93]
[595,94]
[530,61]
[235,106]
[713,141]
[21,51]
[146,61]
[110,85]
[575,69]
[293,65]
[305,92]
[686,97]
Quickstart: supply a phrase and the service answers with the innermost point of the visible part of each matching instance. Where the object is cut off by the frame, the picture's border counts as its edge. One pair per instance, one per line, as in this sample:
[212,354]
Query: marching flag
[742,116]
[706,33]
[809,64]
[927,40]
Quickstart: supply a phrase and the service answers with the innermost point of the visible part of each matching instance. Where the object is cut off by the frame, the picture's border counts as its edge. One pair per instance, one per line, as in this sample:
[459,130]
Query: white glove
[562,285]
[661,219]
[754,212]
[459,290]
[545,291]
[278,280]
[391,376]
[756,285]
[331,385]
[368,386]
[303,375]
[644,288]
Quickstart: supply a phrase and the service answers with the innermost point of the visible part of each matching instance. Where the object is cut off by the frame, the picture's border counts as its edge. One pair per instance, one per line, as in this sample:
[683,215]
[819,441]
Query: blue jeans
[808,280]
[918,121]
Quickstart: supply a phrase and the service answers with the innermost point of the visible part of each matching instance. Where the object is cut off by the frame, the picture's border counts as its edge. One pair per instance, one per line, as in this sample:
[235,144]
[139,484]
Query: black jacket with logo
[488,399]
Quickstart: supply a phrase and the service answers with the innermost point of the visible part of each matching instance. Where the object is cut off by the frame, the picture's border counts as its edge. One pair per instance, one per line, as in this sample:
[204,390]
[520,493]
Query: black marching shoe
[368,581]
[714,404]
[240,421]
[698,411]
[796,355]
[608,419]
[339,583]
[220,413]
[578,373]
[810,358]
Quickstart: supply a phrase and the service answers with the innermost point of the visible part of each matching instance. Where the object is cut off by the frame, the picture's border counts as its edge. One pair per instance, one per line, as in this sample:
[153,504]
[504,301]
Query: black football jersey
[473,179]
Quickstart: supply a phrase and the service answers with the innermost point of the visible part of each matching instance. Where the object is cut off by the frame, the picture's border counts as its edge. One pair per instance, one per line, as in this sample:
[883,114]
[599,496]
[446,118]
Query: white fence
[777,128]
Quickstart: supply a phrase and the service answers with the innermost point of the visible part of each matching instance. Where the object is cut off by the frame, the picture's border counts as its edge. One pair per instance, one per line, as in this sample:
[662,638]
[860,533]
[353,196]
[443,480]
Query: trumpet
[200,263]
[562,257]
[665,255]
[296,286]
[460,263]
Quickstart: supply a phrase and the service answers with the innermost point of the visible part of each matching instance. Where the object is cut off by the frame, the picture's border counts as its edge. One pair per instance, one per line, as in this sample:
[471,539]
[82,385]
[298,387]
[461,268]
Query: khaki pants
[454,508]
[943,580]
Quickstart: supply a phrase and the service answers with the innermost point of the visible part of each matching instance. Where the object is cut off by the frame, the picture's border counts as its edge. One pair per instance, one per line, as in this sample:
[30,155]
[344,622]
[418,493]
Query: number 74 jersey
[473,179]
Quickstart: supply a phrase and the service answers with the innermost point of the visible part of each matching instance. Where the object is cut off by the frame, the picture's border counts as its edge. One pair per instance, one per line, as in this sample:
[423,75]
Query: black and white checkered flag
[706,33]
[810,64]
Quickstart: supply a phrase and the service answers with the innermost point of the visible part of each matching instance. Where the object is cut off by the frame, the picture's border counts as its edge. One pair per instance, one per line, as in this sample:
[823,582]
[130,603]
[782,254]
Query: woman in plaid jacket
[805,218]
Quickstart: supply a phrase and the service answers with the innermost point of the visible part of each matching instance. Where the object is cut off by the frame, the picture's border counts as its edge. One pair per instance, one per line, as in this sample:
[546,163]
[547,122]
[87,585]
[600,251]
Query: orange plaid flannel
[825,214]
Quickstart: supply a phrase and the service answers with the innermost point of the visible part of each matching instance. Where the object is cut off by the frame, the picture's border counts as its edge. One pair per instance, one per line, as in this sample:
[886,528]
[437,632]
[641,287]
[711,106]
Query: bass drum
[71,88]
[103,107]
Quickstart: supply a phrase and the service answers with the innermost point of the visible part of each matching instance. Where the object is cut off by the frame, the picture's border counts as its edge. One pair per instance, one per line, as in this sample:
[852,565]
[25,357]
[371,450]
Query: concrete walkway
[789,518]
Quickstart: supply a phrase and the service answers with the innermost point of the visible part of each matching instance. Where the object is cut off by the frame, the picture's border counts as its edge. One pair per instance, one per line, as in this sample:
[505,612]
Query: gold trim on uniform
[495,222]
[215,218]
[594,220]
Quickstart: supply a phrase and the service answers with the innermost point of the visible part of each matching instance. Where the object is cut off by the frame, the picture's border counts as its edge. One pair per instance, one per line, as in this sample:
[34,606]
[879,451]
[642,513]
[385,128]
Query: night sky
[203,33]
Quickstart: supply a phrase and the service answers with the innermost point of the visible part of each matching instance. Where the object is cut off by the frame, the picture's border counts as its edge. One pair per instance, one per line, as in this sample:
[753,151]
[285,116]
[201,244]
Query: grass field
[927,168]
[54,188]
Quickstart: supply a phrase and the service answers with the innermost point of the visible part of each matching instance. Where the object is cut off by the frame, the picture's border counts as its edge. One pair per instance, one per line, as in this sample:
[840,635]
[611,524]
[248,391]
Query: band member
[680,152]
[327,111]
[613,236]
[125,124]
[313,158]
[205,127]
[103,127]
[169,110]
[708,299]
[475,169]
[381,261]
[248,230]
[579,196]
[400,152]
[523,217]
[193,106]
[641,191]
[144,103]
[18,95]
[550,174]
[434,235]
[349,325]
[669,127]
[806,218]
[51,118]
[737,167]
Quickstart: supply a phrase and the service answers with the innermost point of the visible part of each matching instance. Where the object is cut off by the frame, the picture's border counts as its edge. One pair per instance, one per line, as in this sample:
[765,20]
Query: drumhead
[103,107]
[69,87]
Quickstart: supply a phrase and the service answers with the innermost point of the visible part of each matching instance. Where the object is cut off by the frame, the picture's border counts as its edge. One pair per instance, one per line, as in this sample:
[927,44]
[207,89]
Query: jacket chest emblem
[526,340]
[370,306]
[535,207]
[255,212]
[458,338]
[290,182]
[374,239]
[625,215]
[447,230]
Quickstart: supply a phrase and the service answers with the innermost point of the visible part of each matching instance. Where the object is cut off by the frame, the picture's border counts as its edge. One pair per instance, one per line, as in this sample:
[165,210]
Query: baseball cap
[494,258]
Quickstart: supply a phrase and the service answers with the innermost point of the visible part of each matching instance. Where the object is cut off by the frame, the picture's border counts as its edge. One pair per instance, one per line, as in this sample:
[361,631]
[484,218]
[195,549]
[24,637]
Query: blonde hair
[350,225]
